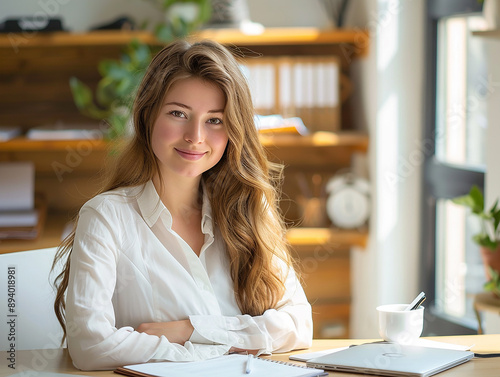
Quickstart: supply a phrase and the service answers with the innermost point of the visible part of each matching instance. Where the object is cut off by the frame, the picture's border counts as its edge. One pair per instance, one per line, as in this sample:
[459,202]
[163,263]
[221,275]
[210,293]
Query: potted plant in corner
[488,238]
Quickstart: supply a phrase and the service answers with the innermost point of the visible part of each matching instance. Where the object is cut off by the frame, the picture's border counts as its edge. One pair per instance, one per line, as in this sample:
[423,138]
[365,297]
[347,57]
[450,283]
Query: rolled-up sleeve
[283,329]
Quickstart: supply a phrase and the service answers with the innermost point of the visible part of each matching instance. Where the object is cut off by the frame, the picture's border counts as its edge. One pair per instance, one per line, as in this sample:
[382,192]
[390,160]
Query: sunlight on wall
[387,174]
[388,27]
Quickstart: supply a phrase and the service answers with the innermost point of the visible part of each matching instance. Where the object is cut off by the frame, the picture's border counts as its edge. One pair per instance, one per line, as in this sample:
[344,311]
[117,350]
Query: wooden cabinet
[34,91]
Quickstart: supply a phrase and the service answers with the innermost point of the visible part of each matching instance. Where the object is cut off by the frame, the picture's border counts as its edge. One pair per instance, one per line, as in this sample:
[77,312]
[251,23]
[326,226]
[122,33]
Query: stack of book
[303,87]
[21,213]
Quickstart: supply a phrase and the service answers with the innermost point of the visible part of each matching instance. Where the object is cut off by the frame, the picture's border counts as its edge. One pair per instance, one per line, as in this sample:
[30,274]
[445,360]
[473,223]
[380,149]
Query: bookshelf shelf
[271,36]
[327,236]
[320,149]
[55,223]
[487,33]
[356,141]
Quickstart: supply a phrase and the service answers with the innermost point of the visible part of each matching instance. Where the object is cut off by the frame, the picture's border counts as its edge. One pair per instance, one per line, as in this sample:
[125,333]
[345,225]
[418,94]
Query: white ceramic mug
[399,326]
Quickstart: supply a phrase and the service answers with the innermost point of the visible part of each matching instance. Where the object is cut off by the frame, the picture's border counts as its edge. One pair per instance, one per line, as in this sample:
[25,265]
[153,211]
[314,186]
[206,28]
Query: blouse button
[240,341]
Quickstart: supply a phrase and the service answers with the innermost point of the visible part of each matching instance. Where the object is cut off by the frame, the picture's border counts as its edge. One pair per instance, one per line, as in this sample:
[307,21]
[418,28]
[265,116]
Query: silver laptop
[388,359]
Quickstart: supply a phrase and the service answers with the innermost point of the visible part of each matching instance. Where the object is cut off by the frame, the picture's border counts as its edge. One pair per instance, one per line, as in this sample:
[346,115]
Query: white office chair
[33,324]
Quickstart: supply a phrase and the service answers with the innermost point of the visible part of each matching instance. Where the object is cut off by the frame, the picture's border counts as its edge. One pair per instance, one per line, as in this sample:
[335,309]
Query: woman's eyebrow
[179,104]
[190,108]
[217,111]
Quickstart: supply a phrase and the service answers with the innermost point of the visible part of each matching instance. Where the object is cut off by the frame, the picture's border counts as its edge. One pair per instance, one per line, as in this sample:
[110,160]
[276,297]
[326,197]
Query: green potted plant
[488,238]
[113,95]
[120,78]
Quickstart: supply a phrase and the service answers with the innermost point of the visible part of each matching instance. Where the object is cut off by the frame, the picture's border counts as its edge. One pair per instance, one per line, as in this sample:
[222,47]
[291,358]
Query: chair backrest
[26,301]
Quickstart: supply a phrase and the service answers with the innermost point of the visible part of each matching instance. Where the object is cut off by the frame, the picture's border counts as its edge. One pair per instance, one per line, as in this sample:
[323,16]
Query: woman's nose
[195,132]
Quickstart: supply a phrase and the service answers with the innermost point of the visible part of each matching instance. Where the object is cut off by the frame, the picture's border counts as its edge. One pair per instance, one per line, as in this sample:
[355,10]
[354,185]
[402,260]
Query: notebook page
[230,365]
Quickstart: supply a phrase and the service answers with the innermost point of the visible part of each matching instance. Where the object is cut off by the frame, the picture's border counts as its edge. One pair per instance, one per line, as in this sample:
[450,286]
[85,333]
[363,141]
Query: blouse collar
[151,207]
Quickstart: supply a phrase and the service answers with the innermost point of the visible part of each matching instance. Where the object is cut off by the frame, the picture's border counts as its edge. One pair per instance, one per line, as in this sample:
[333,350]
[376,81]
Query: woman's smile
[190,155]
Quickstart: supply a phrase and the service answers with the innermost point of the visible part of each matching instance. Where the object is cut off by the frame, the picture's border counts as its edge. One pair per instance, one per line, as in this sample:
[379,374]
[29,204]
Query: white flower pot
[491,13]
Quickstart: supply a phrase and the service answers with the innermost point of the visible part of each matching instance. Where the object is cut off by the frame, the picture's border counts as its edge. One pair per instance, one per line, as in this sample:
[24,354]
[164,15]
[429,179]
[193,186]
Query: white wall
[391,103]
[80,15]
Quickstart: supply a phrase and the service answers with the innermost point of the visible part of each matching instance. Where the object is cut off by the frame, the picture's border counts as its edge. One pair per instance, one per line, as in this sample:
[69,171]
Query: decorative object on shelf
[488,238]
[348,203]
[233,14]
[491,13]
[31,24]
[120,78]
[336,10]
[121,23]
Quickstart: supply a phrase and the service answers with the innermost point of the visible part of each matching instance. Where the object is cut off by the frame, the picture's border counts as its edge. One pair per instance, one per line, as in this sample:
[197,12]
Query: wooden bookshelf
[36,69]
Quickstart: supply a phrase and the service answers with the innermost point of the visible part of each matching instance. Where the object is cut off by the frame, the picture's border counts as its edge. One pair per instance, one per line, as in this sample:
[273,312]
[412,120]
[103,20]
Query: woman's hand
[175,331]
[241,350]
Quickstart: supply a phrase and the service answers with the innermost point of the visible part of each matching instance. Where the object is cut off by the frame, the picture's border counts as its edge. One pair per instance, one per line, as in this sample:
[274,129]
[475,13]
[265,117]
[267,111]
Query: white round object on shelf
[348,203]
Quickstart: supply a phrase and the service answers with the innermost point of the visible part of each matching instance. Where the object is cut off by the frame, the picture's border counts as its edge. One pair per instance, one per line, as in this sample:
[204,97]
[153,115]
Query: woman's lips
[190,155]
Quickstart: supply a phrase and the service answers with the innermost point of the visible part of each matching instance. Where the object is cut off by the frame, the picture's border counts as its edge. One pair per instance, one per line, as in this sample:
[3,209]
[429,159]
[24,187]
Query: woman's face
[189,135]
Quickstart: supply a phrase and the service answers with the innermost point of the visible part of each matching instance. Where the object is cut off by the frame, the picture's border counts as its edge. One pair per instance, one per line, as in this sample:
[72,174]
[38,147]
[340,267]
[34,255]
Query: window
[456,124]
[462,84]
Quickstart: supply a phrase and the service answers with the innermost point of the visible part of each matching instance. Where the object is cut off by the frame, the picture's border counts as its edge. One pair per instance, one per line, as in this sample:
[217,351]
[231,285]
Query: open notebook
[230,365]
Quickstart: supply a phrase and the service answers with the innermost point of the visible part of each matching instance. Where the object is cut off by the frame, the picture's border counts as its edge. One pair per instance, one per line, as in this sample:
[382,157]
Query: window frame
[439,180]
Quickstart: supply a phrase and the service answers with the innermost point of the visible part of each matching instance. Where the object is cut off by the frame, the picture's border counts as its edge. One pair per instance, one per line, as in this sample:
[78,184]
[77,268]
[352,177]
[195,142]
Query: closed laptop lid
[389,359]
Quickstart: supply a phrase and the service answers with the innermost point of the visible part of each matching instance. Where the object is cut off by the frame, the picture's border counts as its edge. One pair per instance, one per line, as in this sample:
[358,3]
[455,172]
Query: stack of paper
[19,216]
[9,132]
[278,124]
[63,131]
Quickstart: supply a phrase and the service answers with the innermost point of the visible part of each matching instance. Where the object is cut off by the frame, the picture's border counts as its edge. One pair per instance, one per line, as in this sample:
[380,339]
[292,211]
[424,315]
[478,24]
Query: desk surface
[58,361]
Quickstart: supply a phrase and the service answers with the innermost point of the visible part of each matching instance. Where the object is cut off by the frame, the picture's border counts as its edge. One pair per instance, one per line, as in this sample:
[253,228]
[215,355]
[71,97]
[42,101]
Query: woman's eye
[178,114]
[215,121]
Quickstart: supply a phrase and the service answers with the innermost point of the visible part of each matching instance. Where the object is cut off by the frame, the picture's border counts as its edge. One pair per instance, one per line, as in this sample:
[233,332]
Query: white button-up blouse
[129,267]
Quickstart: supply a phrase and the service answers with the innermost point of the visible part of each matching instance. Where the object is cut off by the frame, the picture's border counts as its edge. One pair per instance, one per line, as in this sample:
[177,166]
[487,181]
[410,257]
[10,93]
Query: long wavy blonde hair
[243,188]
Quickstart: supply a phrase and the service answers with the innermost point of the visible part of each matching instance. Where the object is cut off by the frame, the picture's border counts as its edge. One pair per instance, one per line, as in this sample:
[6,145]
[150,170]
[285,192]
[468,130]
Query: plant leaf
[164,33]
[473,200]
[477,198]
[83,98]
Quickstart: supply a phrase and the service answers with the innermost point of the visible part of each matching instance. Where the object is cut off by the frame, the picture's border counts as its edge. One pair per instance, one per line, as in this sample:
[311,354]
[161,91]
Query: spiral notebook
[230,365]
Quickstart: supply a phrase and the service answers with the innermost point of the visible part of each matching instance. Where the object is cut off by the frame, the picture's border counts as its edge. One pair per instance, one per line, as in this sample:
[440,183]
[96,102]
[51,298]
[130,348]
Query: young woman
[182,255]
